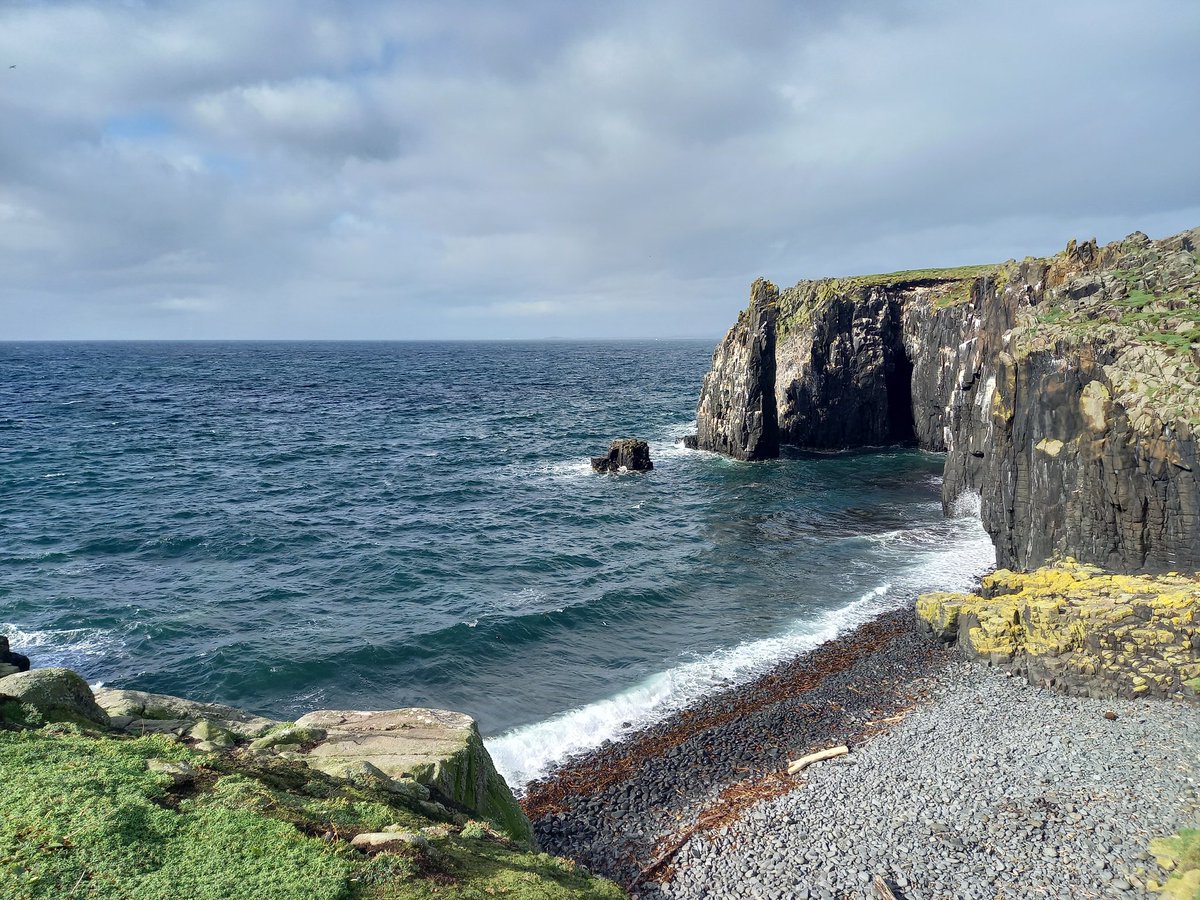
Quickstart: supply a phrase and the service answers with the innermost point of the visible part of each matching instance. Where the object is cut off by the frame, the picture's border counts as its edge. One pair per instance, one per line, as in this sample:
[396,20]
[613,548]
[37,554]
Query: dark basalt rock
[626,453]
[736,414]
[1065,391]
[9,658]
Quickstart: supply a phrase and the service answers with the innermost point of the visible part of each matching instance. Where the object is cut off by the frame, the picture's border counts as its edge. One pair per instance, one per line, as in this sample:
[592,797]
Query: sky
[227,169]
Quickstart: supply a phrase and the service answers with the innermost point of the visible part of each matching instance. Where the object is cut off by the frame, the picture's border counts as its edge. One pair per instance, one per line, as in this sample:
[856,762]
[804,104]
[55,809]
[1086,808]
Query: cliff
[1064,390]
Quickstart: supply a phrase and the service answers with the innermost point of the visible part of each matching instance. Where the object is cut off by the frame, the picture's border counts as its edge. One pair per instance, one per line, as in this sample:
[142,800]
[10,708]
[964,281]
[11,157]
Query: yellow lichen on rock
[1079,628]
[1050,446]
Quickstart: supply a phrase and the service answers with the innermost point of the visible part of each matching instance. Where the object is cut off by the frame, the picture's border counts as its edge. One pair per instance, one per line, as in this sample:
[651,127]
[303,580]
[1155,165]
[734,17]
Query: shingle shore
[988,787]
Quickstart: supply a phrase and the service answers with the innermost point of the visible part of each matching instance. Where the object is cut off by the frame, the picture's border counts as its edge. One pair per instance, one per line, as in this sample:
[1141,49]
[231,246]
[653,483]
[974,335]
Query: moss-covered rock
[59,695]
[1179,855]
[437,748]
[141,706]
[1079,628]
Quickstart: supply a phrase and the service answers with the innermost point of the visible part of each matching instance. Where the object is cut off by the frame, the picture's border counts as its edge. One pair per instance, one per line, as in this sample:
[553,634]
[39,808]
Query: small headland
[123,794]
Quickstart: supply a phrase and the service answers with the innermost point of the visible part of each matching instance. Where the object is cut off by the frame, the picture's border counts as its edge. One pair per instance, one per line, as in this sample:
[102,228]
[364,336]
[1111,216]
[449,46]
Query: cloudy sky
[354,169]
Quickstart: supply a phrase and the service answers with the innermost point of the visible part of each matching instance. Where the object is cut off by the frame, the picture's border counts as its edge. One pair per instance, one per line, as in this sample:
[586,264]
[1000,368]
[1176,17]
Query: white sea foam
[61,647]
[527,753]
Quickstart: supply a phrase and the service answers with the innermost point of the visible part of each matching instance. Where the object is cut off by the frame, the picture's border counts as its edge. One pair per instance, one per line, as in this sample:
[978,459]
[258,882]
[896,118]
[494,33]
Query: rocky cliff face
[1066,391]
[737,402]
[1079,629]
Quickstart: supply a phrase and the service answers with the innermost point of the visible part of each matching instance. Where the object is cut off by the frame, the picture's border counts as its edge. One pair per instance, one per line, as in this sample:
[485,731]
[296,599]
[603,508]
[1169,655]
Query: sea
[292,526]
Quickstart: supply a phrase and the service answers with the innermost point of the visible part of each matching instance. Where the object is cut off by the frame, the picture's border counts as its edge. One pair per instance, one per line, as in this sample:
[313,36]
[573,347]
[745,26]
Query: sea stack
[630,454]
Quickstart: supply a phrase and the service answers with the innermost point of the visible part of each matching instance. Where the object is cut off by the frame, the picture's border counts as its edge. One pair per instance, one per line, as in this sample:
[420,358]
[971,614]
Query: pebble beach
[961,782]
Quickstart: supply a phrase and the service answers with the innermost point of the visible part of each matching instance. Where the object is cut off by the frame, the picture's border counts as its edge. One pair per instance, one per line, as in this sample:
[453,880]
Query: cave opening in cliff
[901,429]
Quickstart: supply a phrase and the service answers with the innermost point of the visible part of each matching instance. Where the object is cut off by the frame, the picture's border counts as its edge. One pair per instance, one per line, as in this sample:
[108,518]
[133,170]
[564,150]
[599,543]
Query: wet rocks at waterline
[625,454]
[11,663]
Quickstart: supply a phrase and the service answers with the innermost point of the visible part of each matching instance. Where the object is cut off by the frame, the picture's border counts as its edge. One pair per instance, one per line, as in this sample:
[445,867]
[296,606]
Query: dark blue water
[290,526]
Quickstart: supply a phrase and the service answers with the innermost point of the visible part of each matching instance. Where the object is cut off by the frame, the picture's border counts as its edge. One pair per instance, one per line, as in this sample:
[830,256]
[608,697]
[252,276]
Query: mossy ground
[798,305]
[1180,854]
[83,817]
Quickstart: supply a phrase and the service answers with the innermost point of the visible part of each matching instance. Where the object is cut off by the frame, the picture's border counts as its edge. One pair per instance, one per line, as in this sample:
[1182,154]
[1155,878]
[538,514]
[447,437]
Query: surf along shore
[961,781]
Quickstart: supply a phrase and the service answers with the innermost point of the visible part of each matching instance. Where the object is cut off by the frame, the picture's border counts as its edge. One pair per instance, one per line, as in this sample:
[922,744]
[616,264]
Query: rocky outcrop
[58,695]
[628,454]
[408,752]
[11,663]
[141,713]
[436,748]
[736,415]
[1065,391]
[1079,629]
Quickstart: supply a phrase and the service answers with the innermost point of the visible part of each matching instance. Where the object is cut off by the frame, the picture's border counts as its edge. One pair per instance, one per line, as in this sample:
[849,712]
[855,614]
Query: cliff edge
[1064,390]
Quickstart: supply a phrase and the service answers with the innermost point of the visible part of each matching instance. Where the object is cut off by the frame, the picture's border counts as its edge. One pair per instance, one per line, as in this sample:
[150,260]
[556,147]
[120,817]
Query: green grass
[81,816]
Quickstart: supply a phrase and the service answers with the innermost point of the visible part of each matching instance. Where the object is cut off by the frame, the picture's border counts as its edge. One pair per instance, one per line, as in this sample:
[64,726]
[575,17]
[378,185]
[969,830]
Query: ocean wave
[529,752]
[525,754]
[69,647]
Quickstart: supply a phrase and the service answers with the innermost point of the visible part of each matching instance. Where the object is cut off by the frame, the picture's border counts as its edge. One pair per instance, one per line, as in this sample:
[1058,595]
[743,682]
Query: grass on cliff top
[81,816]
[953,287]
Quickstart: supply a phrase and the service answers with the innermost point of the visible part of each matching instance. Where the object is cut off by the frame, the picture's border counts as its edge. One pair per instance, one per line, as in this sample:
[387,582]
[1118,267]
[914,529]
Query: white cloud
[371,169]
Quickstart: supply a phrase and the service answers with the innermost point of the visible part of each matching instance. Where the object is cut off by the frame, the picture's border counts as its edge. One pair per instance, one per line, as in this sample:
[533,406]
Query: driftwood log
[805,761]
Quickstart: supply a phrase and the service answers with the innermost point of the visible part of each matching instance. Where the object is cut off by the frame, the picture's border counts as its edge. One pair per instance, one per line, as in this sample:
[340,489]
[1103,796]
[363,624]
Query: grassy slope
[82,816]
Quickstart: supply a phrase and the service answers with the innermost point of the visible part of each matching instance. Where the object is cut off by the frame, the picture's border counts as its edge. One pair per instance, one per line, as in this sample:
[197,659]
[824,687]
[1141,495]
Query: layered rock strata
[1065,391]
[1078,629]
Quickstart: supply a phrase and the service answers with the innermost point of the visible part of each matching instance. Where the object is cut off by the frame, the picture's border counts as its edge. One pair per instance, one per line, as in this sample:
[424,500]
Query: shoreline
[621,809]
[702,797]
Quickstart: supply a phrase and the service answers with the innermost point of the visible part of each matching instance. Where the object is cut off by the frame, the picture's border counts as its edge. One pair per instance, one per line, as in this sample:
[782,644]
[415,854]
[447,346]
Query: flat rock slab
[401,743]
[434,747]
[142,706]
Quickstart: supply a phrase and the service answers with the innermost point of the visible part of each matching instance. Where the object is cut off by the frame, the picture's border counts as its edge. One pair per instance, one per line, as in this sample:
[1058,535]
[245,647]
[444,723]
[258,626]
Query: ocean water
[289,526]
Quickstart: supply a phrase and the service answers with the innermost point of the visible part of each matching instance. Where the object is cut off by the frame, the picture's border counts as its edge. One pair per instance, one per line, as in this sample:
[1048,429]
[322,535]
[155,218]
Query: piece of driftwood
[883,890]
[805,761]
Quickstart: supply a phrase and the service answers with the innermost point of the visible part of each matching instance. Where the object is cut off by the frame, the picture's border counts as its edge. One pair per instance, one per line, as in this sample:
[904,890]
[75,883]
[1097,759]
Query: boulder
[59,695]
[382,841]
[626,453]
[1079,629]
[183,714]
[437,748]
[18,661]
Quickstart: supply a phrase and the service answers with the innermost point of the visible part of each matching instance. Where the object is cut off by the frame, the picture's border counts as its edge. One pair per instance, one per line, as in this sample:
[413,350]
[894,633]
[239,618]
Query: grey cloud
[465,169]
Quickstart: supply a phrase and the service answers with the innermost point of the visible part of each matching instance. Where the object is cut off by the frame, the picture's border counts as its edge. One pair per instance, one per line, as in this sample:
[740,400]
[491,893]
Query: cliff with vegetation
[1064,390]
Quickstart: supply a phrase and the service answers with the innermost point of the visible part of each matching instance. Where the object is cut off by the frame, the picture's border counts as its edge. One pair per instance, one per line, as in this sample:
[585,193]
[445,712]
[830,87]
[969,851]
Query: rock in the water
[18,661]
[434,747]
[58,694]
[142,706]
[737,414]
[627,453]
